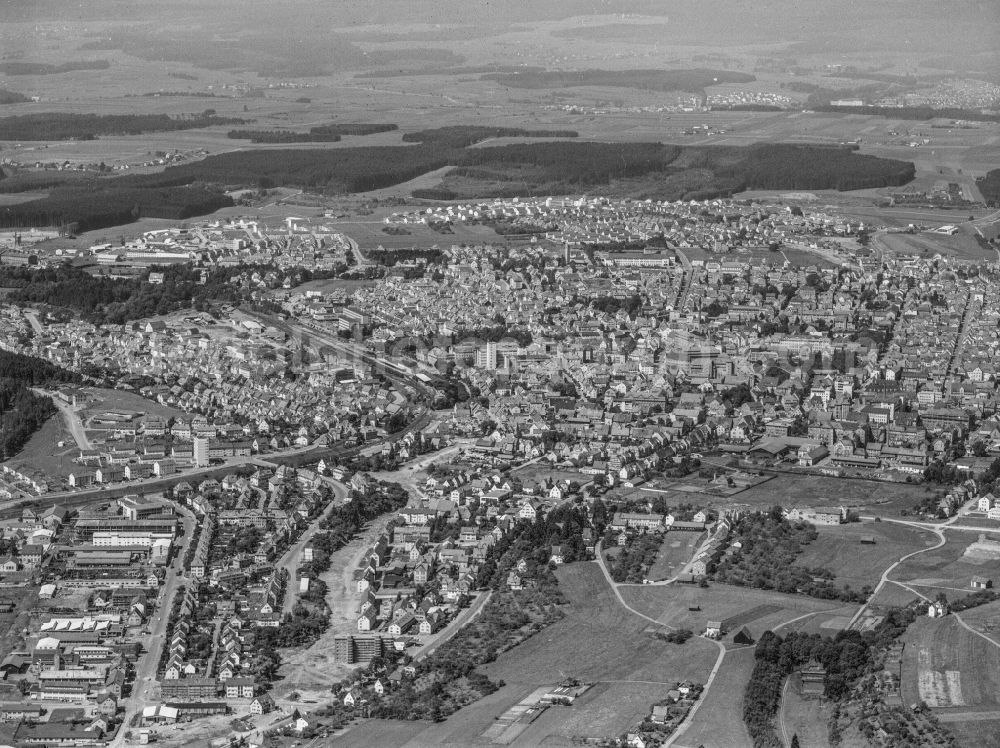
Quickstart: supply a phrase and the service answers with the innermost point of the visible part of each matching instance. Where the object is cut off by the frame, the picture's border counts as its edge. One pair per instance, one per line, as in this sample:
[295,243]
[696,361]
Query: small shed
[868,540]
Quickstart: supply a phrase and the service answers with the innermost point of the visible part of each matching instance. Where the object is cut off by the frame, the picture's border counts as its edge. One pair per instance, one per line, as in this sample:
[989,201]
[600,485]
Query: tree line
[989,185]
[845,658]
[99,299]
[462,136]
[766,559]
[22,412]
[100,204]
[65,125]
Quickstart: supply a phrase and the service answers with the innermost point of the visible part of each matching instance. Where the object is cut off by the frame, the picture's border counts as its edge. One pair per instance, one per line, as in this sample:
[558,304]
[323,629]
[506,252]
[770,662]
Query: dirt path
[314,668]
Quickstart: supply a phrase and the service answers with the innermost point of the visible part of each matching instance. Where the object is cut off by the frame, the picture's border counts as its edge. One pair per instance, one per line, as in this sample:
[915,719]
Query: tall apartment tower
[201,451]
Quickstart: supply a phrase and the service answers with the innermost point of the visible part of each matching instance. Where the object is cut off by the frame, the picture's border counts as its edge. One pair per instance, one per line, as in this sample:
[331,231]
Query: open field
[974,733]
[539,472]
[881,498]
[961,245]
[945,569]
[758,610]
[331,285]
[675,551]
[43,451]
[105,400]
[949,667]
[719,721]
[598,641]
[806,718]
[892,596]
[984,619]
[840,550]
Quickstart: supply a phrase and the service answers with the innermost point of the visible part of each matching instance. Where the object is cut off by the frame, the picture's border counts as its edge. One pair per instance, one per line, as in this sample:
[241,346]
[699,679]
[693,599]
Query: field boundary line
[980,634]
[618,594]
[781,711]
[689,718]
[887,572]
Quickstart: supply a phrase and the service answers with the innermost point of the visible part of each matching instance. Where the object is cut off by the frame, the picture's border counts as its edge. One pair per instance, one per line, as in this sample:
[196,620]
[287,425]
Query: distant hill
[692,81]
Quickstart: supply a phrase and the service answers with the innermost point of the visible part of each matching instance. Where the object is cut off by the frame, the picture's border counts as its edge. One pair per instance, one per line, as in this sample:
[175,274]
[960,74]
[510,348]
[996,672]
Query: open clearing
[974,733]
[43,451]
[945,569]
[948,666]
[313,668]
[806,718]
[840,550]
[105,400]
[598,641]
[816,490]
[759,610]
[719,721]
[985,619]
[675,551]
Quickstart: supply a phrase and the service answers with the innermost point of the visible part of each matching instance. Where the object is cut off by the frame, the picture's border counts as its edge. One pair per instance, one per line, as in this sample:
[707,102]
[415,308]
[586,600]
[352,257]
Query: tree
[795,741]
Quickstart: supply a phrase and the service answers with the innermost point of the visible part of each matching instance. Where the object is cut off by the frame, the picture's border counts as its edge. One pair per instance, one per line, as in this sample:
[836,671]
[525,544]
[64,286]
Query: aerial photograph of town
[493,373]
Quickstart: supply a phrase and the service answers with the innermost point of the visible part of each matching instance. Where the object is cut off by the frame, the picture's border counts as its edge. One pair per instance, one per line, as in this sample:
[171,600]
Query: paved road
[145,672]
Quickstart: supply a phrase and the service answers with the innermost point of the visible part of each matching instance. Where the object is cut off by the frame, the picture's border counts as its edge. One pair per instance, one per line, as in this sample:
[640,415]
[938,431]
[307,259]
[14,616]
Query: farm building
[812,677]
[937,610]
[743,636]
[981,583]
[868,539]
[713,629]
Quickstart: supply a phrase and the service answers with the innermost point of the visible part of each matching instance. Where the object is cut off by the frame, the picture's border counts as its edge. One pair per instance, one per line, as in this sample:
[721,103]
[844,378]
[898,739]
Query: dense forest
[103,300]
[12,97]
[571,163]
[13,181]
[22,412]
[86,208]
[845,658]
[63,125]
[318,134]
[670,172]
[788,166]
[715,171]
[692,81]
[913,112]
[280,136]
[989,185]
[332,171]
[355,128]
[44,68]
[462,136]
